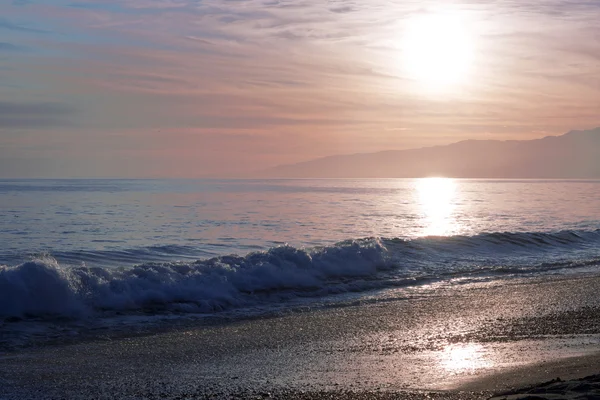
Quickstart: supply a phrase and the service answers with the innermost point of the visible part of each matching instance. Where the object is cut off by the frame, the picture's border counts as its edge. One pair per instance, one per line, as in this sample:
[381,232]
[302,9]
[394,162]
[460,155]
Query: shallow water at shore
[440,342]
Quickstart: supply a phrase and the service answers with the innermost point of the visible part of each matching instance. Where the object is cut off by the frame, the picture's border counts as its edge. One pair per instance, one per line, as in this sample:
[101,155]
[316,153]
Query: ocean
[116,249]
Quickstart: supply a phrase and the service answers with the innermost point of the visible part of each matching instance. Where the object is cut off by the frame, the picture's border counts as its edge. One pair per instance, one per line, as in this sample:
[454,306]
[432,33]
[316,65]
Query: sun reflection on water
[437,200]
[464,358]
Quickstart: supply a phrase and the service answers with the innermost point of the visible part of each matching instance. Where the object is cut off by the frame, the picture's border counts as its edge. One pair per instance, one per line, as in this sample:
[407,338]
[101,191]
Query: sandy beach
[466,341]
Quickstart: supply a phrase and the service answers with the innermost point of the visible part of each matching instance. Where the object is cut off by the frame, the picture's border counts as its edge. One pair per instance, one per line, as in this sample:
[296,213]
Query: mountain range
[574,155]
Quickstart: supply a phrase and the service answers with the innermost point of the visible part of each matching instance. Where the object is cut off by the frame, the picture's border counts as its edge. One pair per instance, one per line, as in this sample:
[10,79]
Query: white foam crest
[42,287]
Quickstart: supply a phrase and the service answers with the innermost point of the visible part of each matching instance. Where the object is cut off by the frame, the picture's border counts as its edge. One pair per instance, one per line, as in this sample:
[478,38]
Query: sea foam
[44,288]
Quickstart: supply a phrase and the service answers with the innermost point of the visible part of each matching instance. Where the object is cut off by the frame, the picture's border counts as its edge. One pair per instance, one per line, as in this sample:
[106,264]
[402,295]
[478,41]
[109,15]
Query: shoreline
[37,333]
[478,340]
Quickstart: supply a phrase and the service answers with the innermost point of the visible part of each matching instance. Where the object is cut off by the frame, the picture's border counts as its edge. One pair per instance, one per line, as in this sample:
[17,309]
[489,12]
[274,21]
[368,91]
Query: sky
[180,88]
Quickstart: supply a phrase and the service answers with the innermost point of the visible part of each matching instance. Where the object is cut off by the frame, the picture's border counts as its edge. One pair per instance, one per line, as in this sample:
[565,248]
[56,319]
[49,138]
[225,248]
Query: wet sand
[584,388]
[462,342]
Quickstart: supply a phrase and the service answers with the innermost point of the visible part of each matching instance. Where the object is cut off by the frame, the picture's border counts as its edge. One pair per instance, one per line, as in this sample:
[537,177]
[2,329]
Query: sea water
[81,248]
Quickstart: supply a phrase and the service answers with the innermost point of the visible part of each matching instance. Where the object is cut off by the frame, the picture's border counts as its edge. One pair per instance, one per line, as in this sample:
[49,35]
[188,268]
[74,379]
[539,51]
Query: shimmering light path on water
[138,220]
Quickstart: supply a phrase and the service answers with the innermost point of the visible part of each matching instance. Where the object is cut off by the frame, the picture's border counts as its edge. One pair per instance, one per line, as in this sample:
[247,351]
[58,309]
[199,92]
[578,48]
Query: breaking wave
[42,287]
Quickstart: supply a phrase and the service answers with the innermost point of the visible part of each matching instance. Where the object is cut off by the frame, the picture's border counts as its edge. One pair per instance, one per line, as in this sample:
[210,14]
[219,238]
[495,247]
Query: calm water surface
[202,218]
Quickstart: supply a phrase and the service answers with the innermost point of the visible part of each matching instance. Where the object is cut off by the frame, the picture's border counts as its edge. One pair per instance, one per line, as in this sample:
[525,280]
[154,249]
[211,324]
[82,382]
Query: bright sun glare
[437,197]
[438,50]
[465,358]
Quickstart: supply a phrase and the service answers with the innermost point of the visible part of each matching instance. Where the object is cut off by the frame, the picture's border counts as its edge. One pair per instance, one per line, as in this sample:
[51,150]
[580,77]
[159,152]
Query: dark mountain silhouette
[573,155]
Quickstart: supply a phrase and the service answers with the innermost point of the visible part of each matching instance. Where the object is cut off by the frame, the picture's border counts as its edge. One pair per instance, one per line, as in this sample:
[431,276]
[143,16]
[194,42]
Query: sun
[437,49]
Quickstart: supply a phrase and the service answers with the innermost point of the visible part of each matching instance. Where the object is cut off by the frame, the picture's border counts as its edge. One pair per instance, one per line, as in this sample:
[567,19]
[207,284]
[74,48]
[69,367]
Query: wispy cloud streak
[33,115]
